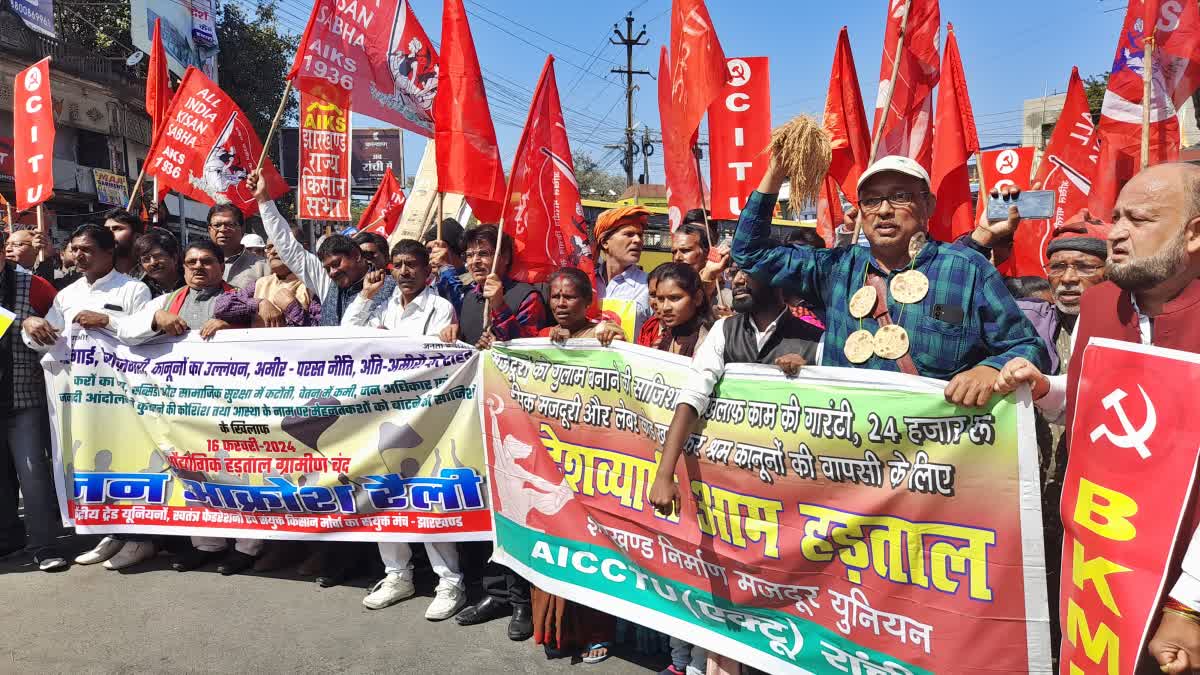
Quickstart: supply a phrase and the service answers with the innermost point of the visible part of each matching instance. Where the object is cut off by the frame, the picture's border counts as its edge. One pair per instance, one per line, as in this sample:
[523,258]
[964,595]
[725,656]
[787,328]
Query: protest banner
[1129,483]
[33,132]
[848,521]
[207,146]
[313,433]
[324,160]
[111,188]
[739,127]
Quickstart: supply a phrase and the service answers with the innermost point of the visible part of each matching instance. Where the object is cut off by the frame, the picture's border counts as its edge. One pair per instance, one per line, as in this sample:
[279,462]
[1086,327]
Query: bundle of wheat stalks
[801,149]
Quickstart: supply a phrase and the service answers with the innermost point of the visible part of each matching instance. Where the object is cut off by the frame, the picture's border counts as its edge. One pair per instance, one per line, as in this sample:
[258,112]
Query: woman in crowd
[560,626]
[651,328]
[683,309]
[162,267]
[276,300]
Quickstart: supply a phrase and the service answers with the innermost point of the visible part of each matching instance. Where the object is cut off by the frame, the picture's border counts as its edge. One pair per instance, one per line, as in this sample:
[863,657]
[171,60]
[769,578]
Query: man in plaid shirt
[965,328]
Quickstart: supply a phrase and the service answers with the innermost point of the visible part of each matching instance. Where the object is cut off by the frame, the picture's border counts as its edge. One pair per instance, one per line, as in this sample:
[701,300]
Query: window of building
[93,150]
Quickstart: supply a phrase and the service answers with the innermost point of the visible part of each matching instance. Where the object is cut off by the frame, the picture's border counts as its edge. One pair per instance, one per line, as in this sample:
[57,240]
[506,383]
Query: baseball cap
[897,163]
[253,241]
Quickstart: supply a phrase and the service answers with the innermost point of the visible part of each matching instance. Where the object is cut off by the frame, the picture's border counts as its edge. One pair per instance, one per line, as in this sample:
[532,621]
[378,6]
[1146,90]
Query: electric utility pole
[629,41]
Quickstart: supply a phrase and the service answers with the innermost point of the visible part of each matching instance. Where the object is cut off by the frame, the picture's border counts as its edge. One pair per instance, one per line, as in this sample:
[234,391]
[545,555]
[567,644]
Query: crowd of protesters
[754,300]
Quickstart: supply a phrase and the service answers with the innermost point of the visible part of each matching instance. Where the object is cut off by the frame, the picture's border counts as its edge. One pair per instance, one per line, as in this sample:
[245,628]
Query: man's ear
[1191,235]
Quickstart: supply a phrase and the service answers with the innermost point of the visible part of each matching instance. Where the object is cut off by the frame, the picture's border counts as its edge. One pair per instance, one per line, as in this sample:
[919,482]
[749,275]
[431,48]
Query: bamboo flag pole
[1147,95]
[487,309]
[137,187]
[41,226]
[440,217]
[887,102]
[266,146]
[707,227]
[155,214]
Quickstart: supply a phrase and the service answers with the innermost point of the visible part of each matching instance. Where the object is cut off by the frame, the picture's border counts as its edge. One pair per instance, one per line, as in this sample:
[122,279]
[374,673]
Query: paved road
[91,620]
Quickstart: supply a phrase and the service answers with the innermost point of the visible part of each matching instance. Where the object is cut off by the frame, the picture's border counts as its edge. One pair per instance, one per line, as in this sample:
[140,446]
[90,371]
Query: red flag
[846,121]
[344,49]
[468,159]
[33,131]
[739,127]
[544,211]
[387,204]
[907,130]
[679,164]
[1175,27]
[698,69]
[158,90]
[413,78]
[207,146]
[954,144]
[1067,168]
[829,210]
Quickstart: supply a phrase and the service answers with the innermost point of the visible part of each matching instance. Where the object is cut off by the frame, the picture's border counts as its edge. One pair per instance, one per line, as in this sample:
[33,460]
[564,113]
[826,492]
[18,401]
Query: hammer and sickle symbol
[1132,438]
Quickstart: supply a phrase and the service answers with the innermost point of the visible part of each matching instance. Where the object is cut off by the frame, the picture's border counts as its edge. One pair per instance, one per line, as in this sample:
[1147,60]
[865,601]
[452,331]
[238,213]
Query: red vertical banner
[1130,477]
[739,127]
[33,135]
[324,160]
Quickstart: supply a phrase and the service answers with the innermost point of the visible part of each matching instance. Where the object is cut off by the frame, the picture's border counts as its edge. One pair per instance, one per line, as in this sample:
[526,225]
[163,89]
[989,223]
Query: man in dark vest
[1152,296]
[517,310]
[765,331]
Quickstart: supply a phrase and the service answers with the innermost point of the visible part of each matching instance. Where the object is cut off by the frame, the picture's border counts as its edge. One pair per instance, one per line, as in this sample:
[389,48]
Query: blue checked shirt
[993,330]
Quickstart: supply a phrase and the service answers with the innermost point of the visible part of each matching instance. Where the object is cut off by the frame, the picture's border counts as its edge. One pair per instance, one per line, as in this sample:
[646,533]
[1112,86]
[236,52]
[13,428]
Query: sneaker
[134,552]
[107,548]
[449,600]
[391,589]
[49,561]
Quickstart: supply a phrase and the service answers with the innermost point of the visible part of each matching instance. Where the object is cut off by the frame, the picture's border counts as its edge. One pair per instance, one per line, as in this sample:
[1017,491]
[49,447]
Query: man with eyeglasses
[906,304]
[1076,257]
[226,228]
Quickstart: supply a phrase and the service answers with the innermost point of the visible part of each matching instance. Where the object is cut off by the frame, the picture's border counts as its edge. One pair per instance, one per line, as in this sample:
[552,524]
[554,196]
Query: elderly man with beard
[906,303]
[1152,296]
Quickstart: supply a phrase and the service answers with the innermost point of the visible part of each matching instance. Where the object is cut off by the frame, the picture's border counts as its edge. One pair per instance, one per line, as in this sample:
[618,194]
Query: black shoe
[194,559]
[334,574]
[520,626]
[489,608]
[235,562]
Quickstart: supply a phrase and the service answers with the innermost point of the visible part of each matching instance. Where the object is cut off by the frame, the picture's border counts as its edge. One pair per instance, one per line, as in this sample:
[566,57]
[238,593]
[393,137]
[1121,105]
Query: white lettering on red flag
[344,47]
[33,132]
[207,147]
[739,127]
[324,160]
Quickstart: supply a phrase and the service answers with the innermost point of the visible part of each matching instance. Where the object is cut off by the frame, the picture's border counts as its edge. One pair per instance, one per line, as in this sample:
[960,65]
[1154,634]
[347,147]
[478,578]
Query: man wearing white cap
[907,303]
[255,244]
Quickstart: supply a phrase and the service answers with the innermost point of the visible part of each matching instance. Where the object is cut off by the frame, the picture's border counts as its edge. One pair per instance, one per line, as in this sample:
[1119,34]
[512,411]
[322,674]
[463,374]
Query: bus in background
[656,242]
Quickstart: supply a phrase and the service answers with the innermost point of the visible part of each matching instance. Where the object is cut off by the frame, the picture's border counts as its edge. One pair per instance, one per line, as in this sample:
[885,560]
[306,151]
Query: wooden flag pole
[487,309]
[41,226]
[707,227]
[439,215]
[155,214]
[9,211]
[266,146]
[1147,95]
[137,187]
[887,104]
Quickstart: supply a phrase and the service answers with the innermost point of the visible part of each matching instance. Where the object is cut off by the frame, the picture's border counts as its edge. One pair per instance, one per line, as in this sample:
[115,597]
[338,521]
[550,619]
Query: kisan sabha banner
[844,522]
[299,433]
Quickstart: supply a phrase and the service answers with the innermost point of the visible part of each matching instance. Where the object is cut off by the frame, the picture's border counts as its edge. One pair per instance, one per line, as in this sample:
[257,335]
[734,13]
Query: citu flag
[468,159]
[1067,168]
[908,128]
[954,144]
[33,135]
[684,190]
[1175,29]
[846,122]
[543,213]
[158,89]
[383,211]
[207,147]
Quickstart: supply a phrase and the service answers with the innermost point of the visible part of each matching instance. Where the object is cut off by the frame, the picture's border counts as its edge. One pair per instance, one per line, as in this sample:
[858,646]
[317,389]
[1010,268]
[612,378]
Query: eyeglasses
[903,198]
[225,226]
[1060,268]
[150,258]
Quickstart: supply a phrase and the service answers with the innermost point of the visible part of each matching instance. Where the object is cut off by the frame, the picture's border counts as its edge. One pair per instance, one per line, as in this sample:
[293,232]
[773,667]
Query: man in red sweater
[1152,296]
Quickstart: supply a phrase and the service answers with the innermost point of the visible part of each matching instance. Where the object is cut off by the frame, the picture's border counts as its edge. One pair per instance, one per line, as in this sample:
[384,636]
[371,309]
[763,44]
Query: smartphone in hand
[1032,204]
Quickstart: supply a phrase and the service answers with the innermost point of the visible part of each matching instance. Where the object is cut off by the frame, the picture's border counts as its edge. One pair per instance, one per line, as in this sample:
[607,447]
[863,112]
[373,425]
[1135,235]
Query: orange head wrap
[614,219]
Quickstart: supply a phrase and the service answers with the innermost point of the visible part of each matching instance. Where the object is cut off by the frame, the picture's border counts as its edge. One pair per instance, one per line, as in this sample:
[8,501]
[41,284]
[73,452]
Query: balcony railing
[17,39]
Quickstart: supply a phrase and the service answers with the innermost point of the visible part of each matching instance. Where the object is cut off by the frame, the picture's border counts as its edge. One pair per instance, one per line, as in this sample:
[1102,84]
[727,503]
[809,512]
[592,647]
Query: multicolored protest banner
[846,521]
[313,433]
[739,127]
[1129,484]
[324,160]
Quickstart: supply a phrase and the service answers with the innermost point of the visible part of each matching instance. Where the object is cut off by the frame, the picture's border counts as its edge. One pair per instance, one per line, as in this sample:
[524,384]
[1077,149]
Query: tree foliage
[254,59]
[590,176]
[1095,86]
[100,29]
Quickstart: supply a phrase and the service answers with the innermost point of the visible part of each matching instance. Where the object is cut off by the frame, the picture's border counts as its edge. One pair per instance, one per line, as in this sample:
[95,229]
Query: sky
[1011,51]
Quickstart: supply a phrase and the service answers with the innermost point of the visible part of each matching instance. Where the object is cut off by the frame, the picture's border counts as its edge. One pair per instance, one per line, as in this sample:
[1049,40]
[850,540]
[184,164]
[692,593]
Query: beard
[1140,274]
